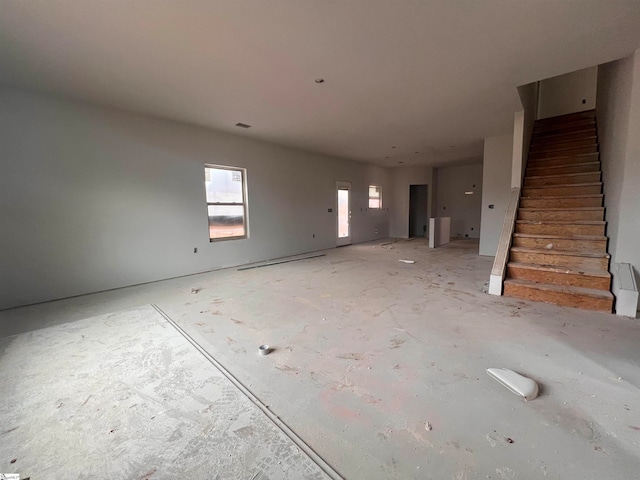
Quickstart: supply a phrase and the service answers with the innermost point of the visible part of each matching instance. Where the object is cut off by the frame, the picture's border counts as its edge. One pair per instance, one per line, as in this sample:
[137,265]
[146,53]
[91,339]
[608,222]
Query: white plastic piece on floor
[407,261]
[518,384]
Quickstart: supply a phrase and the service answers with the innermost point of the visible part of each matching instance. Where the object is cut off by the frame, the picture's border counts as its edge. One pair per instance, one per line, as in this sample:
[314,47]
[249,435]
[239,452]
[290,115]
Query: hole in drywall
[319,80]
[242,125]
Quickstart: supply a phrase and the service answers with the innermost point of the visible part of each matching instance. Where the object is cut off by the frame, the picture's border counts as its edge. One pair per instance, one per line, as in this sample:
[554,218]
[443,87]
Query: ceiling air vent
[242,125]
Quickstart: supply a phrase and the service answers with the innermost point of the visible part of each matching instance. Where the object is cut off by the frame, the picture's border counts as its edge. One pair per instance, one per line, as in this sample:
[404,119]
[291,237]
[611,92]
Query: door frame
[342,241]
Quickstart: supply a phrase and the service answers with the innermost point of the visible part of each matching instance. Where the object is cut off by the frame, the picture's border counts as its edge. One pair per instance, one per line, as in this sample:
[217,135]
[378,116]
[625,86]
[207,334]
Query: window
[375,196]
[226,202]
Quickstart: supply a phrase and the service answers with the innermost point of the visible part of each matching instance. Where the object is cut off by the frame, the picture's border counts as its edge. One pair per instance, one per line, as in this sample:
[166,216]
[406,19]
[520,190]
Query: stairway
[559,249]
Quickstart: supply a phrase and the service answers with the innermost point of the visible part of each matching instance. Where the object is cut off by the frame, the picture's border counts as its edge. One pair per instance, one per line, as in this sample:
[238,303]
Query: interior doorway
[418,213]
[343,190]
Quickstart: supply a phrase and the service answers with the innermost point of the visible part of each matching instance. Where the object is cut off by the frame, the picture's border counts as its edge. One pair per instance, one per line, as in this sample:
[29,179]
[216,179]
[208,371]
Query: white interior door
[343,192]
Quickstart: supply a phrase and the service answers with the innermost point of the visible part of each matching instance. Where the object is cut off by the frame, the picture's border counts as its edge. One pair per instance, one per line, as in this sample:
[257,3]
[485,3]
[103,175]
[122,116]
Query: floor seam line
[276,420]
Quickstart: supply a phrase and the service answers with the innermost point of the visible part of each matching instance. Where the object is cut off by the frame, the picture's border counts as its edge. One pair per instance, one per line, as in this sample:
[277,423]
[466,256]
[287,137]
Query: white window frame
[379,197]
[245,218]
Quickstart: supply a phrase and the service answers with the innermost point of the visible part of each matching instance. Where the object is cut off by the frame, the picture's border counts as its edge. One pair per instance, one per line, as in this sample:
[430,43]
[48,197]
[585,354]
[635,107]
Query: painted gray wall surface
[618,116]
[94,198]
[401,179]
[451,201]
[496,187]
[564,94]
[529,98]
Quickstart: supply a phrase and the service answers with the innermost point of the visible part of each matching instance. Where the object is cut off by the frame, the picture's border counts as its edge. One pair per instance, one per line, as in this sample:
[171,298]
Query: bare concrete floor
[369,350]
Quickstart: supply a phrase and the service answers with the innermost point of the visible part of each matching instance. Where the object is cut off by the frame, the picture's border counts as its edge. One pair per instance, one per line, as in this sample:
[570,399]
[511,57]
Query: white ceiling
[426,76]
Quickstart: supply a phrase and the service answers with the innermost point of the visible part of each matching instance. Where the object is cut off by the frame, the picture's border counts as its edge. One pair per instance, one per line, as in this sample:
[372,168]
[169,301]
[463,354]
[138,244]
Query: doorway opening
[343,190]
[418,213]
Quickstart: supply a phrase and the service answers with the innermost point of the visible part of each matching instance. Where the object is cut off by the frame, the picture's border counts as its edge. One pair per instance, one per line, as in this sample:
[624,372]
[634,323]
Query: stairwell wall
[496,189]
[618,116]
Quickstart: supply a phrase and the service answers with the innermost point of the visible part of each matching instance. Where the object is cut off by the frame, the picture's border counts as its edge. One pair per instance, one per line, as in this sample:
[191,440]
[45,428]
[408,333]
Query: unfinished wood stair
[559,249]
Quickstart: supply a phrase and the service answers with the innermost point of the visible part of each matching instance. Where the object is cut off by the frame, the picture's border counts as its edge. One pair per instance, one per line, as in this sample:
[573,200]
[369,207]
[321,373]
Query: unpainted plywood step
[561,228]
[567,117]
[568,190]
[561,179]
[563,144]
[563,169]
[576,297]
[574,135]
[561,214]
[573,201]
[562,160]
[573,243]
[568,127]
[596,280]
[559,258]
[565,152]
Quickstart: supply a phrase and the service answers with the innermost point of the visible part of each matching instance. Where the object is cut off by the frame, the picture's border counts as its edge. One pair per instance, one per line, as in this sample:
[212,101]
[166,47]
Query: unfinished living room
[319,240]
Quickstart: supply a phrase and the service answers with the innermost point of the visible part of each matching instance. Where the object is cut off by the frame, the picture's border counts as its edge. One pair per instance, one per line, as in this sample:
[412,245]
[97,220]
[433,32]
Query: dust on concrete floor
[125,395]
[369,350]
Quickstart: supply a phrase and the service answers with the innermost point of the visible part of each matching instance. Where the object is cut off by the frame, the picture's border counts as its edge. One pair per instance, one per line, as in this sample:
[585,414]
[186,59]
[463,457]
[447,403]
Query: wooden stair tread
[557,269]
[568,127]
[563,222]
[560,175]
[567,237]
[589,184]
[569,253]
[593,195]
[551,167]
[540,160]
[547,287]
[586,130]
[545,146]
[590,113]
[560,209]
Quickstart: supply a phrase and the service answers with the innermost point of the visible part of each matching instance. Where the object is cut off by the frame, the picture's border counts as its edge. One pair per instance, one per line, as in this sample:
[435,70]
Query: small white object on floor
[428,427]
[195,290]
[407,261]
[264,349]
[518,384]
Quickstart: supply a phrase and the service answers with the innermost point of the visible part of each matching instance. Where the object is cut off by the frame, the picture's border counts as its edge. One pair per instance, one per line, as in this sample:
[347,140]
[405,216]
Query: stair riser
[564,144]
[545,171]
[564,299]
[565,244]
[562,160]
[561,215]
[590,177]
[563,128]
[563,279]
[565,152]
[560,191]
[578,135]
[566,202]
[566,261]
[569,117]
[563,230]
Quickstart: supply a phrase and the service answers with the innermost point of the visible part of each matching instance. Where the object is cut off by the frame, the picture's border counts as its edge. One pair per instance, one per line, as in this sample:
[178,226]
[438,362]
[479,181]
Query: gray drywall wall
[451,200]
[529,99]
[496,187]
[565,93]
[94,198]
[618,117]
[401,179]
